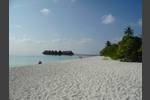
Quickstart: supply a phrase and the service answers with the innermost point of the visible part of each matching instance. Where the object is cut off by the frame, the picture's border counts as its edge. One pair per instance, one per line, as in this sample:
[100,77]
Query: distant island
[55,52]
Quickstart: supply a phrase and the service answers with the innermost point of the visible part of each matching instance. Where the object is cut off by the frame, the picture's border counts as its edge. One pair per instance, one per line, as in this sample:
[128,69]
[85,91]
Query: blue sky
[82,26]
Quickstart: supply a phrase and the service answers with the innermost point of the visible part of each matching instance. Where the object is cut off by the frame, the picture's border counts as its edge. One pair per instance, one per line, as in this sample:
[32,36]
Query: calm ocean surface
[15,61]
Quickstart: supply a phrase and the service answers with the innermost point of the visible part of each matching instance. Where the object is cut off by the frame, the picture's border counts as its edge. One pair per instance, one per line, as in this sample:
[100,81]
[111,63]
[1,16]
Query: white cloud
[18,26]
[133,24]
[18,6]
[85,40]
[73,0]
[56,40]
[56,1]
[107,19]
[23,39]
[140,22]
[45,11]
[27,45]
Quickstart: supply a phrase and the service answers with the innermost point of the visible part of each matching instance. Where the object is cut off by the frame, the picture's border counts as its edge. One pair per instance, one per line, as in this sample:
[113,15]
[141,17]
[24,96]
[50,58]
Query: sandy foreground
[93,78]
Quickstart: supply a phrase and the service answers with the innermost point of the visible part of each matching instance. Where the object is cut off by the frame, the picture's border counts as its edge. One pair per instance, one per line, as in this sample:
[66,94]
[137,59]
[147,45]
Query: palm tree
[108,43]
[55,52]
[128,31]
[59,53]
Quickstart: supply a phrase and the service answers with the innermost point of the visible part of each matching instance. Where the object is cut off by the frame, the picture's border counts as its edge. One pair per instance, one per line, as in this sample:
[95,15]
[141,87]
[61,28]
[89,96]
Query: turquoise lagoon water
[15,61]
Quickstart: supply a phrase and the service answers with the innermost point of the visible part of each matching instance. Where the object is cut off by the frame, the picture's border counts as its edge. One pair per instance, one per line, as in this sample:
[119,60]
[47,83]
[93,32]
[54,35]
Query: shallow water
[17,60]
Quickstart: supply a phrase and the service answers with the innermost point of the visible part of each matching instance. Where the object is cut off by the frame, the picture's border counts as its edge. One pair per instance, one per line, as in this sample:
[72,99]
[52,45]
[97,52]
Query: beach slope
[93,78]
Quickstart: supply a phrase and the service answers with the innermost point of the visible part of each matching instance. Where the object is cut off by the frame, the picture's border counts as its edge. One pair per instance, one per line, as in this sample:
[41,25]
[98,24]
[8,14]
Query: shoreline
[21,60]
[50,61]
[79,57]
[88,78]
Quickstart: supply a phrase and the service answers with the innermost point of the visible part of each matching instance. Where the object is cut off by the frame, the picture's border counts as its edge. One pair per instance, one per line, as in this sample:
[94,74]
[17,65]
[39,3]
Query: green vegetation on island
[54,52]
[129,49]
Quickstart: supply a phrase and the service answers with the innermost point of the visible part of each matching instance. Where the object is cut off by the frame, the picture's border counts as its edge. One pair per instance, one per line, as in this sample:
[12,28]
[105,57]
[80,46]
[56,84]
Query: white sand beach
[93,78]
